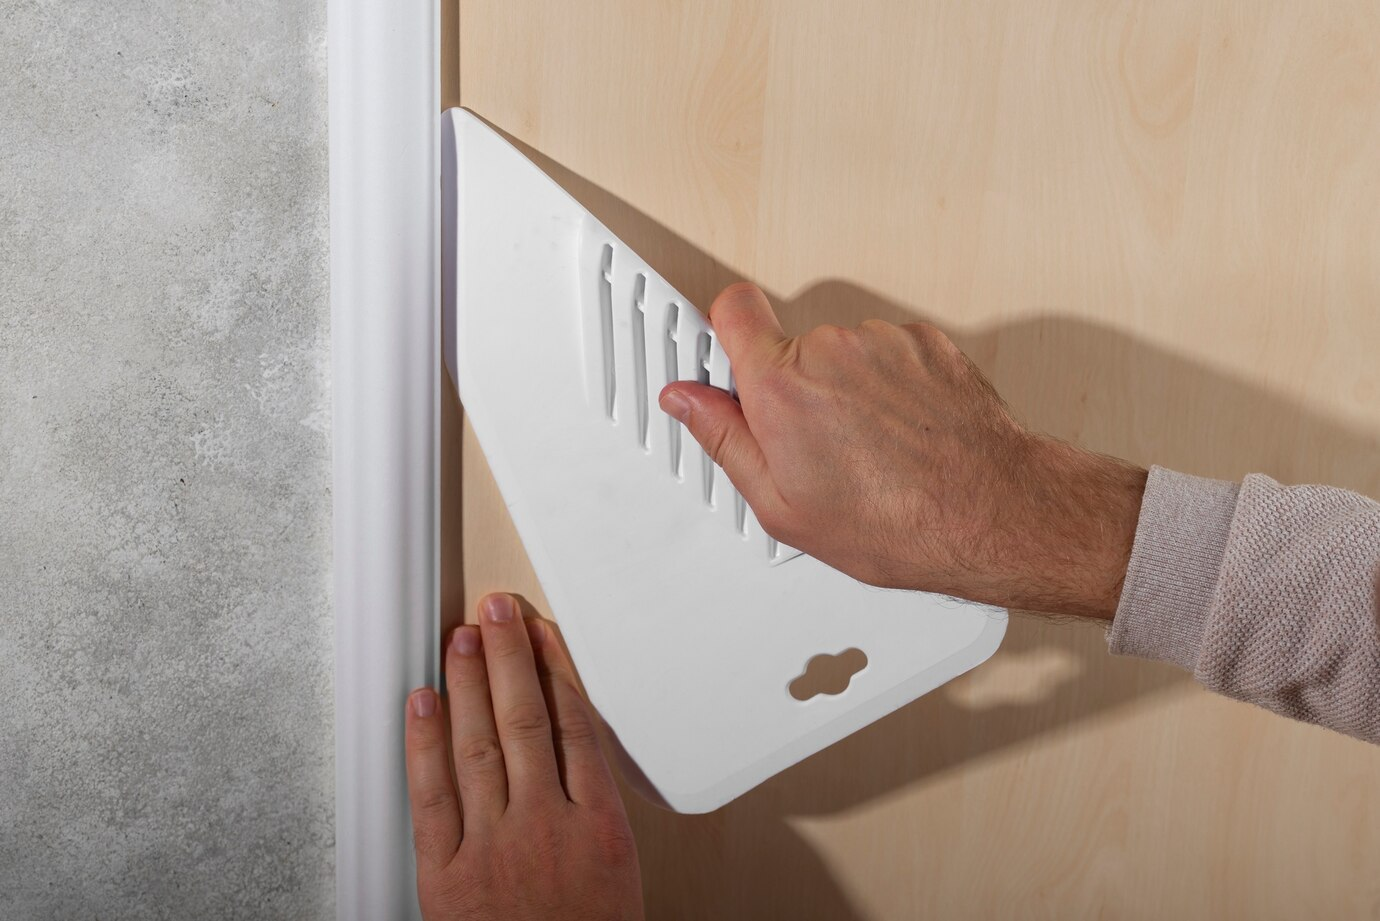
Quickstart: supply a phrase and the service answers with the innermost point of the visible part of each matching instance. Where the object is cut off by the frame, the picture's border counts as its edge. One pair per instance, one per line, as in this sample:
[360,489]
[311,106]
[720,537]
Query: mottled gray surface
[165,633]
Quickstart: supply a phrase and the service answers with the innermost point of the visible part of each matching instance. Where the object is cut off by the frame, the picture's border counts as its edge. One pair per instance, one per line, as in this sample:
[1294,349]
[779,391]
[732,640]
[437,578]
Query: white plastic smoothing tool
[688,624]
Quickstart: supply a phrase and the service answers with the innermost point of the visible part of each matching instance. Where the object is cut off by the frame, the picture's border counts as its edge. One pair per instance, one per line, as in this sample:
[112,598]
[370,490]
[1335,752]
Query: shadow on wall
[745,861]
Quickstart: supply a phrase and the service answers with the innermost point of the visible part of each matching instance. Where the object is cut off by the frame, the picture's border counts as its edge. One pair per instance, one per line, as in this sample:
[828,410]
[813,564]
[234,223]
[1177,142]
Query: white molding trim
[385,314]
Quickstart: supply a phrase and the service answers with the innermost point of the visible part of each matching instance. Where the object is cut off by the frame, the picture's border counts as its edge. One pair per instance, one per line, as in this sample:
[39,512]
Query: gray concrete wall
[165,629]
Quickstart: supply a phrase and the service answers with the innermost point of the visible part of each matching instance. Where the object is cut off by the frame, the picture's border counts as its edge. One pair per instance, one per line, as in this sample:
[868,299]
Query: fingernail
[675,405]
[465,641]
[498,609]
[424,703]
[536,632]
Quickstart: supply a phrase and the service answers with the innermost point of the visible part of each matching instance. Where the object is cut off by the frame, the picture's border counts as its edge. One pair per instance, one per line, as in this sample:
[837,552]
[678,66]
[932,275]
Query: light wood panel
[1155,226]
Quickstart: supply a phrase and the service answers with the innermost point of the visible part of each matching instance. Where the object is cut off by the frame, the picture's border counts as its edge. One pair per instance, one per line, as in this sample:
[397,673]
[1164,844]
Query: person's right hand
[883,452]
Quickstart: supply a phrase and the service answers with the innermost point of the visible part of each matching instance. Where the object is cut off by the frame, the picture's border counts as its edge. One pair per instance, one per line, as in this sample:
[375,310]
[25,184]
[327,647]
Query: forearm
[1267,593]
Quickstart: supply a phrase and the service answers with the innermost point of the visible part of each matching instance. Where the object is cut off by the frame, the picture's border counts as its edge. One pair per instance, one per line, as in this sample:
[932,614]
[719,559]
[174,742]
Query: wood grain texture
[1155,226]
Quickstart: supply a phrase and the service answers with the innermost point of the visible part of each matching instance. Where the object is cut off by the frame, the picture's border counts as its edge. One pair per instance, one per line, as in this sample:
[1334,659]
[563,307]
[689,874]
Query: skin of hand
[515,815]
[883,452]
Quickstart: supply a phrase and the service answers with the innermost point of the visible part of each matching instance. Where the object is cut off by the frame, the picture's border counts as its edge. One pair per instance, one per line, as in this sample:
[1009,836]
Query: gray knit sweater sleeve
[1267,593]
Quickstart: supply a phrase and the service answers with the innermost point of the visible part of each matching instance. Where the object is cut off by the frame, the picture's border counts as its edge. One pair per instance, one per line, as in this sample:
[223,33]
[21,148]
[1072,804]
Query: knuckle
[830,332]
[430,801]
[478,753]
[464,677]
[835,343]
[921,330]
[425,740]
[552,670]
[511,646]
[576,729]
[526,721]
[929,336]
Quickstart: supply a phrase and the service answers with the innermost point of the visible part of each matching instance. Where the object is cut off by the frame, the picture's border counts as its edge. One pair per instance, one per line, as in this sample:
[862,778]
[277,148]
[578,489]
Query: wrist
[1085,508]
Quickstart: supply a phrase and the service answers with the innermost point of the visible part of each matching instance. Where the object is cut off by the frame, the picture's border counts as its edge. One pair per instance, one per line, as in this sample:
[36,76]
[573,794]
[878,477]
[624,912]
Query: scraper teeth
[702,348]
[639,336]
[669,357]
[606,328]
[624,301]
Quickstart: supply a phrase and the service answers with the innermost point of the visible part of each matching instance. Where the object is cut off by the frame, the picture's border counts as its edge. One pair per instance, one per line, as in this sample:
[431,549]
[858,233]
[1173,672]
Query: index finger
[747,327]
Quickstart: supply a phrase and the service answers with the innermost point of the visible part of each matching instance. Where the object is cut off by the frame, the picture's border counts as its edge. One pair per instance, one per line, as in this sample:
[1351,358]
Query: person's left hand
[530,826]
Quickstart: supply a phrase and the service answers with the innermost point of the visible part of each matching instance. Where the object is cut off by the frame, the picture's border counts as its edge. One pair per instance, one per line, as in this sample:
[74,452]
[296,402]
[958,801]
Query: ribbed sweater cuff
[1181,538]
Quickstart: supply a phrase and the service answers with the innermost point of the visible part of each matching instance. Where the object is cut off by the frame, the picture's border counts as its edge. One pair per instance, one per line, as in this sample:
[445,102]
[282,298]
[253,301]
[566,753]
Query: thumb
[747,328]
[716,421]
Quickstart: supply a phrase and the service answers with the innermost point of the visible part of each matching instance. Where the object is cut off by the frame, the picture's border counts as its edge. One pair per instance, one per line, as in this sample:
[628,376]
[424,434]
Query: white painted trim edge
[384,235]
